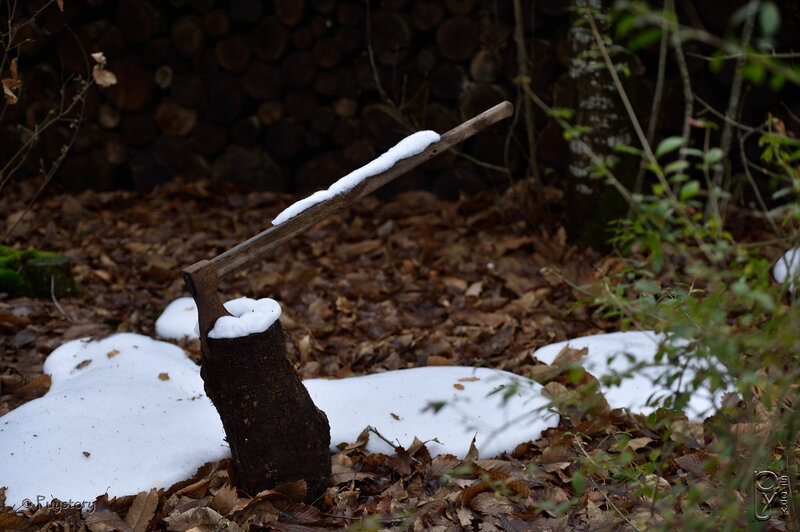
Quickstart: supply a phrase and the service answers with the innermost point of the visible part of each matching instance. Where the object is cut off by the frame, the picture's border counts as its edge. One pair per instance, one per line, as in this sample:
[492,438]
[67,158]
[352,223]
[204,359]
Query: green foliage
[12,262]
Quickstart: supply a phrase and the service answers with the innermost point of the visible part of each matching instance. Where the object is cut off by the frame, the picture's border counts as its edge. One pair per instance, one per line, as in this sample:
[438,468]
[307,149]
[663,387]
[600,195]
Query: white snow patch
[628,350]
[179,320]
[787,268]
[134,404]
[411,145]
[137,407]
[398,404]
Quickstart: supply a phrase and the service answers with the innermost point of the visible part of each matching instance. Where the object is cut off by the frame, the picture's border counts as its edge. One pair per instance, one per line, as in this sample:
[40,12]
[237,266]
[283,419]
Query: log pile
[289,95]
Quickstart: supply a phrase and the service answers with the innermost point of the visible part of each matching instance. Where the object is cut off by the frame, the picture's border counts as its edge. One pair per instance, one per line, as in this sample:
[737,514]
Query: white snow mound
[128,413]
[123,414]
[179,320]
[616,353]
[787,268]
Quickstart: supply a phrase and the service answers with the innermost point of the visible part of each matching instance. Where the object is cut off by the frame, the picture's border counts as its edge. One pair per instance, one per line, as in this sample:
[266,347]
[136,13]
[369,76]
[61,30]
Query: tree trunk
[253,384]
[591,202]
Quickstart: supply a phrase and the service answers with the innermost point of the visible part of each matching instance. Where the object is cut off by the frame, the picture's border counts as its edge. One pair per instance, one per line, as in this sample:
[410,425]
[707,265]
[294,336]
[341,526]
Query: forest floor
[383,285]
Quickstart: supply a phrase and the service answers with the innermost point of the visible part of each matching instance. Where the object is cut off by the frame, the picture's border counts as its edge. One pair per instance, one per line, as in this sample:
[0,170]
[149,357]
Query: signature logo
[771,494]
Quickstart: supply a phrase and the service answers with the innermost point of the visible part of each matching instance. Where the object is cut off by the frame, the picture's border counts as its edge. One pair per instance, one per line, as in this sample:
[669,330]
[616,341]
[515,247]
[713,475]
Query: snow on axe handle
[202,277]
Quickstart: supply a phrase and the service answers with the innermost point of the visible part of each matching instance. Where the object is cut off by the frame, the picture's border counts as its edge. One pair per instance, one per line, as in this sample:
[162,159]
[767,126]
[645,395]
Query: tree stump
[49,275]
[275,432]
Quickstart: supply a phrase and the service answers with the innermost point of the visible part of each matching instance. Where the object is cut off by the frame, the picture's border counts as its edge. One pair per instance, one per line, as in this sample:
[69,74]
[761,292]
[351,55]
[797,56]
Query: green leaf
[769,19]
[714,155]
[577,482]
[676,166]
[644,38]
[667,145]
[754,72]
[624,148]
[689,190]
[766,155]
[777,81]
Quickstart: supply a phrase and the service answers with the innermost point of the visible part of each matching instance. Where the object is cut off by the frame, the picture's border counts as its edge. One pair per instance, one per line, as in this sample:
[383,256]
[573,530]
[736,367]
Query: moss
[12,263]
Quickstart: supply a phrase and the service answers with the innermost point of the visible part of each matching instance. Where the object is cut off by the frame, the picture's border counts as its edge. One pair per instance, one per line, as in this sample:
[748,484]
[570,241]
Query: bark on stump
[48,276]
[275,431]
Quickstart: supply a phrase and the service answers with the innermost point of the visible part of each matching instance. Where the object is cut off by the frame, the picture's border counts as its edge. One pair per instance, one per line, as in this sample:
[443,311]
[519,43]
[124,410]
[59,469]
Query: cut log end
[275,431]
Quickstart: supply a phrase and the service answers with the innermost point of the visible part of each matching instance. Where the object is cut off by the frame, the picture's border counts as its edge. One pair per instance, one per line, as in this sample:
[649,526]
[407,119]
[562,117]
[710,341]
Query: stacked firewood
[289,95]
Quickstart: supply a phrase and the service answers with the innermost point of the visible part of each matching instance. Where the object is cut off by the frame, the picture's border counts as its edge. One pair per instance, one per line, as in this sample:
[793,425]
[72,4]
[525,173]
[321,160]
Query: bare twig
[579,445]
[53,296]
[527,112]
[713,206]
[686,82]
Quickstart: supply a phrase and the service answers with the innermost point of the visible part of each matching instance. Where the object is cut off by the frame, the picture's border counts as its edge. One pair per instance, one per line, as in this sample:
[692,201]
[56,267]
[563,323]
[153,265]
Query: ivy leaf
[667,145]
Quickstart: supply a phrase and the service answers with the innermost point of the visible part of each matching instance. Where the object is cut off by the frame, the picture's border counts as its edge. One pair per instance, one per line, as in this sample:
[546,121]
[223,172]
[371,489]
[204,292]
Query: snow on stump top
[409,146]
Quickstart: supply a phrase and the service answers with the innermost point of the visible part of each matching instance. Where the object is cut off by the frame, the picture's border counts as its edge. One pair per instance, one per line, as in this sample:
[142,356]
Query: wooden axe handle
[250,250]
[202,277]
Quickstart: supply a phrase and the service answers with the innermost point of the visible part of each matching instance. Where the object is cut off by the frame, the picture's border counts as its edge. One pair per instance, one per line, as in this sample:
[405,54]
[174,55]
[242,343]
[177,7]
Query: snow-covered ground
[633,353]
[127,412]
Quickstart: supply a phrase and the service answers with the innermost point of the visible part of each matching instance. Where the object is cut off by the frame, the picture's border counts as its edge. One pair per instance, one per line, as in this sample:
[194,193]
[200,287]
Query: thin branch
[53,296]
[657,96]
[713,206]
[527,112]
[686,81]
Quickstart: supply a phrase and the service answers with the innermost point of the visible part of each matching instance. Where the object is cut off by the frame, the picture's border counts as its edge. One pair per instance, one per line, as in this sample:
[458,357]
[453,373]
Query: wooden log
[250,167]
[208,138]
[115,149]
[233,53]
[41,83]
[350,14]
[147,170]
[289,12]
[299,104]
[322,119]
[108,116]
[139,20]
[447,80]
[285,139]
[320,171]
[391,37]
[457,38]
[159,52]
[216,23]
[246,11]
[345,131]
[223,99]
[139,128]
[262,81]
[381,126]
[173,118]
[186,88]
[326,53]
[394,5]
[478,97]
[81,171]
[270,112]
[202,6]
[460,7]
[301,37]
[205,64]
[187,35]
[163,77]
[134,88]
[324,6]
[269,38]
[427,15]
[484,66]
[246,131]
[320,26]
[348,39]
[298,69]
[345,107]
[460,178]
[111,41]
[252,384]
